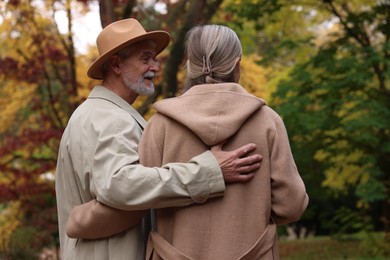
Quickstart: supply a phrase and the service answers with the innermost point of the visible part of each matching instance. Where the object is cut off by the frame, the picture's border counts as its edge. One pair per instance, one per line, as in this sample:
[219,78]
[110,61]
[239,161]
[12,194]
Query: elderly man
[98,157]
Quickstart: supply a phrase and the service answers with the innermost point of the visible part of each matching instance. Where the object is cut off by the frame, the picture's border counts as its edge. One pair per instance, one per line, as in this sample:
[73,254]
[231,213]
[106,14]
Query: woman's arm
[94,220]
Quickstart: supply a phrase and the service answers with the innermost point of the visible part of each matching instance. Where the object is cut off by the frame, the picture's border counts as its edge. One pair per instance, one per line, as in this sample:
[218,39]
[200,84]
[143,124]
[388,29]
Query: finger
[249,160]
[243,170]
[243,150]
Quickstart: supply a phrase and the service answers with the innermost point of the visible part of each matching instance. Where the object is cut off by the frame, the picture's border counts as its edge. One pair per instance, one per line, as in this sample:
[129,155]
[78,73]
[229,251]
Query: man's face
[140,68]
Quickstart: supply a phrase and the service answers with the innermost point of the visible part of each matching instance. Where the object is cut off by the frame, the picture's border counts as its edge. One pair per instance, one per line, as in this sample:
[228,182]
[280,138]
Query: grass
[324,248]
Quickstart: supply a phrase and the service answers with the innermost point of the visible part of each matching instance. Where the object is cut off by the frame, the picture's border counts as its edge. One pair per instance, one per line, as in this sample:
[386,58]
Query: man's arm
[84,219]
[119,180]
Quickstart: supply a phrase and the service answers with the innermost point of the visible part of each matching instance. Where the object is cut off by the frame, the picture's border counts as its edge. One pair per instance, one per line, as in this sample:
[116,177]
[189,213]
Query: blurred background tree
[336,104]
[39,90]
[322,65]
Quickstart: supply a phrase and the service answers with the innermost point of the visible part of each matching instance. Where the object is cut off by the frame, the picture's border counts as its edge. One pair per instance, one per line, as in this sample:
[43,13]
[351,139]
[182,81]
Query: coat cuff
[215,184]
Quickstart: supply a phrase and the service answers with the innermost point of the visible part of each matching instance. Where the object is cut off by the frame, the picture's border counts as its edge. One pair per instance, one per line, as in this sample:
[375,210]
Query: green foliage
[26,243]
[336,106]
[348,221]
[376,244]
[274,29]
[372,190]
[252,11]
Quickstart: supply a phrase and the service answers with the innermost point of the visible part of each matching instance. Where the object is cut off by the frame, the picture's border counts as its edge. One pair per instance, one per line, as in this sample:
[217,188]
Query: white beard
[139,87]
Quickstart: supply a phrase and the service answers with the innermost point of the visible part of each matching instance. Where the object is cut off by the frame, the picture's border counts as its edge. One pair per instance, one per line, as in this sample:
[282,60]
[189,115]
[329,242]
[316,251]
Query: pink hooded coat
[242,223]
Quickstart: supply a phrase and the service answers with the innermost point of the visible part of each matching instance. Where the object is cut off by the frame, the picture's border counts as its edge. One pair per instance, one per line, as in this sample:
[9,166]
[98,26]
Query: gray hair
[212,52]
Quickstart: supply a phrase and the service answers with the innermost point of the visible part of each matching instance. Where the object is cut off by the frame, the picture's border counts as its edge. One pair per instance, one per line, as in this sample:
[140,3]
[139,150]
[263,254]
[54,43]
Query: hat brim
[160,38]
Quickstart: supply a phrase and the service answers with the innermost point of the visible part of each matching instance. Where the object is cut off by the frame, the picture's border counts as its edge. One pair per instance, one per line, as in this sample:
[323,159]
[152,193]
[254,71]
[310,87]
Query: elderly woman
[215,108]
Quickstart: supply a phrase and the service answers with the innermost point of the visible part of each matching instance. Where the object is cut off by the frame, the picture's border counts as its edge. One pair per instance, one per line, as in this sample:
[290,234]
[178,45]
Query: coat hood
[214,112]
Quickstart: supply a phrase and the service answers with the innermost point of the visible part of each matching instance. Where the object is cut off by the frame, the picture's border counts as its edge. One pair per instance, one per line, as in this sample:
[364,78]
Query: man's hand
[235,165]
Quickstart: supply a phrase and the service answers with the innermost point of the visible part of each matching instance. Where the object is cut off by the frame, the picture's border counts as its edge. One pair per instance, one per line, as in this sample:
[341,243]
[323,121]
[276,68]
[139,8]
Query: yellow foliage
[274,77]
[342,175]
[346,170]
[85,84]
[253,77]
[362,204]
[9,221]
[14,96]
[320,155]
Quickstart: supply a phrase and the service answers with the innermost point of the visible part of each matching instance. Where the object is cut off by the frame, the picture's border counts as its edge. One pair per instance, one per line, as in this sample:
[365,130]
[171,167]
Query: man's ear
[114,63]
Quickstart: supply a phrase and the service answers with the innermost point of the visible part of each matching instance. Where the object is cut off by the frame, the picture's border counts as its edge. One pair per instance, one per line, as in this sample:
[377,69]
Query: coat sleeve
[289,198]
[119,181]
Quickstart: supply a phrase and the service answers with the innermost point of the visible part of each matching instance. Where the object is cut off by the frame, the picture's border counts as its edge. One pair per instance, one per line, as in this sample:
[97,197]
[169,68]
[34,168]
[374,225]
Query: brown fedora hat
[120,34]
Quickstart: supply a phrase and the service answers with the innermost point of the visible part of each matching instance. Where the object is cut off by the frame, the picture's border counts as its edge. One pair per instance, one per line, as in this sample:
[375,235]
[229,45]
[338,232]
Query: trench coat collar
[106,94]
